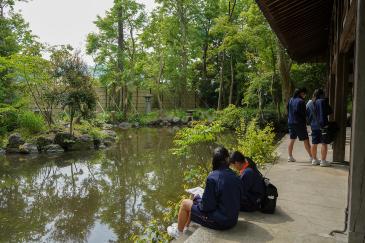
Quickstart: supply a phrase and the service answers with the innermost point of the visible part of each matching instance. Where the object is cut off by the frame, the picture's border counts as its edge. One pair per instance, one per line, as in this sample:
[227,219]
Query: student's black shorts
[201,218]
[317,137]
[298,131]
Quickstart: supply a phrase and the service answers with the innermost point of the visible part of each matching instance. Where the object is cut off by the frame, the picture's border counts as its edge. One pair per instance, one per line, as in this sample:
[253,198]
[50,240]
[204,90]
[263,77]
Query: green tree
[115,48]
[78,94]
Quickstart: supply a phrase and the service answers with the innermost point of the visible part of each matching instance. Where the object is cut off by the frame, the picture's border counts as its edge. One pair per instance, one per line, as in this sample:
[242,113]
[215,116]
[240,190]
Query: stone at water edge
[109,133]
[53,148]
[65,140]
[28,148]
[107,126]
[125,125]
[43,141]
[176,120]
[15,140]
[2,151]
[84,142]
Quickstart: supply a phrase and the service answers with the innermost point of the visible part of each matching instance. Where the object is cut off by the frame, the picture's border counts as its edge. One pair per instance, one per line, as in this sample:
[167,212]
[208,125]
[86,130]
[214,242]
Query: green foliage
[311,76]
[153,232]
[230,117]
[200,133]
[255,142]
[90,128]
[8,119]
[78,94]
[31,123]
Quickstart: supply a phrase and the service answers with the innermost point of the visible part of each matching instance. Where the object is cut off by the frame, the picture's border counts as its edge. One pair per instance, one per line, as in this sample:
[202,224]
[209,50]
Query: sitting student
[220,204]
[252,182]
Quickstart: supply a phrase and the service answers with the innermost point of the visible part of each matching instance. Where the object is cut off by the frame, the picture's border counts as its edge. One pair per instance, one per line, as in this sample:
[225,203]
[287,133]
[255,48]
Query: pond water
[98,196]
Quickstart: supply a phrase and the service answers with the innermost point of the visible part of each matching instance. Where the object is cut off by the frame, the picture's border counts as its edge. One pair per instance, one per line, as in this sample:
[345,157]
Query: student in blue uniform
[219,207]
[297,122]
[252,182]
[318,110]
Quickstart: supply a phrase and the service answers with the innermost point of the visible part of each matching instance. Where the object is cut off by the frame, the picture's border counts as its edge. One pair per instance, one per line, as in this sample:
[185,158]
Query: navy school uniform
[253,190]
[297,119]
[219,207]
[319,120]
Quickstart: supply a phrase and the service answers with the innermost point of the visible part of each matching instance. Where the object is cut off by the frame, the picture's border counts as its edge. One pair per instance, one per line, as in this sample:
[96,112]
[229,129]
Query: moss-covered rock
[28,148]
[14,141]
[65,140]
[44,141]
[53,148]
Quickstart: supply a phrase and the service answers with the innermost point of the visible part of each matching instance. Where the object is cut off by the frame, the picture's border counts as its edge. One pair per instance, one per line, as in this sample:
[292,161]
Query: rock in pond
[14,141]
[45,140]
[125,125]
[65,140]
[28,148]
[2,151]
[176,120]
[84,142]
[53,148]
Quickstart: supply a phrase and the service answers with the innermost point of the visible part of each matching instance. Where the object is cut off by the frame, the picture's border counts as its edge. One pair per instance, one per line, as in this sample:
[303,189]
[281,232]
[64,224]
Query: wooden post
[331,92]
[340,113]
[357,171]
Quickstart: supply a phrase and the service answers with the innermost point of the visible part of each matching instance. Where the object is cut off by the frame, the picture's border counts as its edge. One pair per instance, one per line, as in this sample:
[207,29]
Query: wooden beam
[357,171]
[349,29]
[340,114]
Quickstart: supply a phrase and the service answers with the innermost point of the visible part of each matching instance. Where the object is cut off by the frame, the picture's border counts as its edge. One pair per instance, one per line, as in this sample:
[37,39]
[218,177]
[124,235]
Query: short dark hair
[237,156]
[220,157]
[298,91]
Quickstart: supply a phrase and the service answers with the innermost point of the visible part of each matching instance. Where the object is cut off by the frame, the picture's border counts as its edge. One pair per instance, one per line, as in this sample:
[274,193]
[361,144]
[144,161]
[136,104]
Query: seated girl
[219,206]
[252,182]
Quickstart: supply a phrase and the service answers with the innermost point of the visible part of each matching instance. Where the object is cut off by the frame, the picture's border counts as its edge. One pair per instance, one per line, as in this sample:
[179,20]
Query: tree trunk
[285,64]
[71,121]
[181,10]
[121,48]
[232,82]
[221,81]
[158,82]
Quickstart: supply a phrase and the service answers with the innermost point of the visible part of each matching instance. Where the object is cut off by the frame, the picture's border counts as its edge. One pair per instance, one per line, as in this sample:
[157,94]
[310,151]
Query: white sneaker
[315,162]
[325,163]
[291,159]
[173,231]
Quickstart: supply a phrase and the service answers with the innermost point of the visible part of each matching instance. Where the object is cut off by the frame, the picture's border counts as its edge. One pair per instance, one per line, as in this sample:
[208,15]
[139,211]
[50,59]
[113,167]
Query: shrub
[201,132]
[8,119]
[230,117]
[255,142]
[31,122]
[91,129]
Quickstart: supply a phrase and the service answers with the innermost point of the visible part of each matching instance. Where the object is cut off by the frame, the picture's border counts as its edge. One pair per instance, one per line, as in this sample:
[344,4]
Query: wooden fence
[138,102]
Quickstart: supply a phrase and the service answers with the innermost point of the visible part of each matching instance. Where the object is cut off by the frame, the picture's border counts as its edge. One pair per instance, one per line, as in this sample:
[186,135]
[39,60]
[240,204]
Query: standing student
[253,184]
[318,110]
[220,204]
[297,123]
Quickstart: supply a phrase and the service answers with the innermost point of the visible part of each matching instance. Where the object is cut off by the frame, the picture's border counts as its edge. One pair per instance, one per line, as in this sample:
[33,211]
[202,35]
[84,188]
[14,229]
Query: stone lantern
[148,99]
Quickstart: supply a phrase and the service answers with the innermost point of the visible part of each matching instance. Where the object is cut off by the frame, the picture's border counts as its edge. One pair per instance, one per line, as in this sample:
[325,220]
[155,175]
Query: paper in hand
[196,191]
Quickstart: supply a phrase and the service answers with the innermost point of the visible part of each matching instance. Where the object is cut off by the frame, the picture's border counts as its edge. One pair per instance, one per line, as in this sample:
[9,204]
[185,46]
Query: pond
[99,196]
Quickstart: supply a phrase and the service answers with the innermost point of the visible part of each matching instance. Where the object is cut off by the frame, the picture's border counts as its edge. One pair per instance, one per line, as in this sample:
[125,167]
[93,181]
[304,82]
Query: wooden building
[332,31]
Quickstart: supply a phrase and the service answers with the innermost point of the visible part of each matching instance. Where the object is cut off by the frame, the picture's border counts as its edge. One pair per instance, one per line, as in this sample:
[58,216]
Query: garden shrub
[230,117]
[201,132]
[31,122]
[8,119]
[255,142]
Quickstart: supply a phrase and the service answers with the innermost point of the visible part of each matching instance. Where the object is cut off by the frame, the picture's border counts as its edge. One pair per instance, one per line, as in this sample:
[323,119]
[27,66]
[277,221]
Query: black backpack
[268,203]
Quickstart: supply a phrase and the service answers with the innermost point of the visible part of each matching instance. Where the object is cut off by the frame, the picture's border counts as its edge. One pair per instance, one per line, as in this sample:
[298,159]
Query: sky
[59,22]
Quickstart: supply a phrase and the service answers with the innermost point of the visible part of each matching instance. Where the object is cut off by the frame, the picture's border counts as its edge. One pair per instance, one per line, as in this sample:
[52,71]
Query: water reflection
[101,196]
